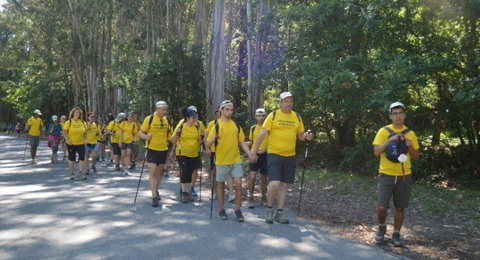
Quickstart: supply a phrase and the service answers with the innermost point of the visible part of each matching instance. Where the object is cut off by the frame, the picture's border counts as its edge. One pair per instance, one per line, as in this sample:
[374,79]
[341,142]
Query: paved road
[44,215]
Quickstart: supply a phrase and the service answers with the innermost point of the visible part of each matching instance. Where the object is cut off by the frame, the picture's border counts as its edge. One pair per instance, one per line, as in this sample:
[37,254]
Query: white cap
[120,116]
[194,108]
[394,105]
[260,111]
[54,118]
[161,103]
[225,103]
[37,111]
[285,95]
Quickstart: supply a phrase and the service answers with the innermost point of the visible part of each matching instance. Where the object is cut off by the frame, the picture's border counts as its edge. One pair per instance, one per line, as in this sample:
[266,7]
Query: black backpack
[395,149]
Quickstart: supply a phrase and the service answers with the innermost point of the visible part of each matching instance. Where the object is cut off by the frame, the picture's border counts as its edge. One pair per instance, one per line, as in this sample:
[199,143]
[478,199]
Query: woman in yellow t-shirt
[128,135]
[75,134]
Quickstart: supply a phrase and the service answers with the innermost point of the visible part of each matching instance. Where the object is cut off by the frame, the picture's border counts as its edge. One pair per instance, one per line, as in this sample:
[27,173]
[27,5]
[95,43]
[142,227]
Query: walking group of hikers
[270,149]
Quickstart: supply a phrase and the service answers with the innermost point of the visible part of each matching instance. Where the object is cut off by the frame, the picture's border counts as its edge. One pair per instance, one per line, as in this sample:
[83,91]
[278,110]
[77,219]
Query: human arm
[251,155]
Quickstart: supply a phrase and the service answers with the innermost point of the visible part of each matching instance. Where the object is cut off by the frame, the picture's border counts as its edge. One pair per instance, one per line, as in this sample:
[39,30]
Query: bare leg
[398,218]
[220,194]
[238,192]
[282,193]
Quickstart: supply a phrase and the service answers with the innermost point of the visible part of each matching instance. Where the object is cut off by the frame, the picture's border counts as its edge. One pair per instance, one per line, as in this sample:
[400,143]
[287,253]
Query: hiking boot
[250,203]
[155,201]
[81,176]
[192,192]
[280,218]
[222,215]
[72,177]
[397,241]
[239,216]
[185,197]
[382,229]
[264,201]
[269,216]
[231,196]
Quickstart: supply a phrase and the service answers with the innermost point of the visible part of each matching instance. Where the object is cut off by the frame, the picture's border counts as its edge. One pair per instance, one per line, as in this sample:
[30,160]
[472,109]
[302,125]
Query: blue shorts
[224,170]
[261,164]
[281,168]
[91,148]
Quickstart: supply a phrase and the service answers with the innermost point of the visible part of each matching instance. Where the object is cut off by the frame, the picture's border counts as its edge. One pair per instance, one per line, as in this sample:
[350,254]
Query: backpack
[217,126]
[151,120]
[395,149]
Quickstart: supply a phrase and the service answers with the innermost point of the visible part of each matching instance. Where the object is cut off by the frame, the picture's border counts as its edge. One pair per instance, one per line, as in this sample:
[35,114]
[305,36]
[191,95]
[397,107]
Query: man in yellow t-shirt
[128,136]
[227,136]
[284,126]
[35,130]
[388,183]
[155,130]
[261,163]
[114,129]
[91,147]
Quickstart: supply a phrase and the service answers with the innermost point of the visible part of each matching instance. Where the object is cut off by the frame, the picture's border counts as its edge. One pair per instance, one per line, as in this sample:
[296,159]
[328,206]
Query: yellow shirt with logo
[129,130]
[159,130]
[115,128]
[253,137]
[283,132]
[393,168]
[189,141]
[34,125]
[76,131]
[92,133]
[227,150]
[209,129]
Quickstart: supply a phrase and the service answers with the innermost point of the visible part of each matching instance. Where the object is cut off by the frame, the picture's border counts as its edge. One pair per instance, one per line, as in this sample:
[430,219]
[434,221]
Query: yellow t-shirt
[115,128]
[189,140]
[283,131]
[101,137]
[209,129]
[201,126]
[34,125]
[92,133]
[76,131]
[227,151]
[129,130]
[160,131]
[393,168]
[252,136]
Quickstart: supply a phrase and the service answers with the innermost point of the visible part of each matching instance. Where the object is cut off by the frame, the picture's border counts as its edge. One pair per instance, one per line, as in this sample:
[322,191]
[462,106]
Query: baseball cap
[54,118]
[37,111]
[260,111]
[395,105]
[194,108]
[225,103]
[285,95]
[161,103]
[120,116]
[191,113]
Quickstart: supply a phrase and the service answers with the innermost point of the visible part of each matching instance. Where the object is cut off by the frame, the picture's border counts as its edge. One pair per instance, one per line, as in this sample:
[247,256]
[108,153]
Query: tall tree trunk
[199,22]
[215,93]
[250,110]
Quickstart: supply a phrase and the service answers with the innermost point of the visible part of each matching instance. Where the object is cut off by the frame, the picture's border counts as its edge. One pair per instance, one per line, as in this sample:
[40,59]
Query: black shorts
[261,164]
[156,157]
[187,166]
[281,168]
[116,149]
[73,150]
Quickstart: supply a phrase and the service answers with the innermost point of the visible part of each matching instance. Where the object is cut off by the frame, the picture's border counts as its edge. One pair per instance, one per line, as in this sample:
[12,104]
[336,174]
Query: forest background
[344,61]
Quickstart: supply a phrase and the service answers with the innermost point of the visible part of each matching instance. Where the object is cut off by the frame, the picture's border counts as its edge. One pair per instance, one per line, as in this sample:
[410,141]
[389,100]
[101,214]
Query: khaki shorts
[224,170]
[389,186]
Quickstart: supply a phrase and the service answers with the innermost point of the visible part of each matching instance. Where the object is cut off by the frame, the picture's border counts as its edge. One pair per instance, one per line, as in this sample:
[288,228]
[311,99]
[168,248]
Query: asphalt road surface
[44,215]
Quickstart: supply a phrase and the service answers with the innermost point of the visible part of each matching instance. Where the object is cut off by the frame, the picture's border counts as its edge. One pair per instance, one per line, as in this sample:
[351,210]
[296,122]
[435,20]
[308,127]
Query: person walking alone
[395,177]
[35,131]
[91,147]
[284,127]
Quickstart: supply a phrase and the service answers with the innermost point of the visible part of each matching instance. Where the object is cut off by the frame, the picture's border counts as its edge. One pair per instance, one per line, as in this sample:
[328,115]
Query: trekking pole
[139,179]
[213,185]
[303,174]
[200,173]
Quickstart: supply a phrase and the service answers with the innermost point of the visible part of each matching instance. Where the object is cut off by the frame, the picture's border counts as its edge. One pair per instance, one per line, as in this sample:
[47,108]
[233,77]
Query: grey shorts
[34,140]
[389,186]
[224,170]
[281,168]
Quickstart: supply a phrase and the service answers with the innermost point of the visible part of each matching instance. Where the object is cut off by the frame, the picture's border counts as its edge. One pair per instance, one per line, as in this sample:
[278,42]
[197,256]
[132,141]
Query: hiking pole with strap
[213,185]
[303,173]
[199,173]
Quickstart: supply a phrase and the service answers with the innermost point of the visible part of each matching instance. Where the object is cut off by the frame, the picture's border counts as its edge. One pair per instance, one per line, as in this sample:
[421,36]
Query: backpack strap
[275,113]
[252,131]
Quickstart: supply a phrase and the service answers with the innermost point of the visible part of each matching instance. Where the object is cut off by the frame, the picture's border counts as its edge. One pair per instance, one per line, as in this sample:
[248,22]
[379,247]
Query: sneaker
[81,176]
[269,216]
[33,161]
[382,229]
[280,218]
[87,172]
[264,201]
[117,168]
[155,201]
[397,241]
[131,167]
[239,216]
[94,168]
[71,176]
[192,192]
[250,203]
[222,215]
[231,196]
[185,197]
